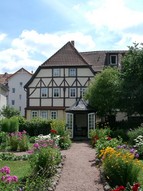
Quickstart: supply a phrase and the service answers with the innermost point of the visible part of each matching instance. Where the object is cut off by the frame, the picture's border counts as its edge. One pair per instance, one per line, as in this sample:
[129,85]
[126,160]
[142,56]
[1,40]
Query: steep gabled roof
[66,56]
[21,69]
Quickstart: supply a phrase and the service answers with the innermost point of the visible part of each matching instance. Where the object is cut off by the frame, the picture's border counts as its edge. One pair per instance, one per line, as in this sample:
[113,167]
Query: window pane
[44,92]
[34,114]
[44,114]
[72,72]
[56,72]
[72,92]
[56,92]
[113,59]
[13,90]
[53,115]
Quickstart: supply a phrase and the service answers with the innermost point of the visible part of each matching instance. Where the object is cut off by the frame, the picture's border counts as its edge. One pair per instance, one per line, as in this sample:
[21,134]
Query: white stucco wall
[17,81]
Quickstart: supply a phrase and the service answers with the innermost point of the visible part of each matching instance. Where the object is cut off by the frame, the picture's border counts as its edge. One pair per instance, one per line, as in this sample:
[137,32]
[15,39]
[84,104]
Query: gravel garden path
[79,171]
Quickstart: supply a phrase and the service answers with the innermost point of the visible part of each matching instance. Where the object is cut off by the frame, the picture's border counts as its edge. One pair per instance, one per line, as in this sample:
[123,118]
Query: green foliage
[105,88]
[9,112]
[36,182]
[10,124]
[18,141]
[133,134]
[132,80]
[120,132]
[60,127]
[12,157]
[99,133]
[65,142]
[45,158]
[35,126]
[103,143]
[2,137]
[120,168]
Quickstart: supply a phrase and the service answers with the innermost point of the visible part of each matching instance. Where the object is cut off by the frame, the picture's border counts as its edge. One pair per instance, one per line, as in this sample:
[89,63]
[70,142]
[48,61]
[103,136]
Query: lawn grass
[18,168]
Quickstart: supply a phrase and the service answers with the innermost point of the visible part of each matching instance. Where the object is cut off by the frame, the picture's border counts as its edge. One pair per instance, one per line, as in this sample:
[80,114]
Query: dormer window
[113,59]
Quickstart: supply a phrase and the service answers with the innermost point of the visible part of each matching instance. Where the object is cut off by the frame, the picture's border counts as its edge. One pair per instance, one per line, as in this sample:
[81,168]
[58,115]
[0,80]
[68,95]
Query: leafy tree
[103,91]
[132,81]
[9,112]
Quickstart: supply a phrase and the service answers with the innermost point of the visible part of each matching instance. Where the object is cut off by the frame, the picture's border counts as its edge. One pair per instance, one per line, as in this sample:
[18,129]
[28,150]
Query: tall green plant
[10,124]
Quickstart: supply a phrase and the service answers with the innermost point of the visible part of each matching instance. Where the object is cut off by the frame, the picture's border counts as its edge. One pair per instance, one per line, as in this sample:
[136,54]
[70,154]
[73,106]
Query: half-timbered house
[56,89]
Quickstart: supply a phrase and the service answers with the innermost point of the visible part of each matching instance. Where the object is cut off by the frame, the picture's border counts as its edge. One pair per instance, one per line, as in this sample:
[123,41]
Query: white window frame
[72,71]
[56,72]
[69,123]
[34,114]
[54,114]
[72,92]
[91,122]
[56,92]
[82,92]
[44,92]
[113,63]
[44,114]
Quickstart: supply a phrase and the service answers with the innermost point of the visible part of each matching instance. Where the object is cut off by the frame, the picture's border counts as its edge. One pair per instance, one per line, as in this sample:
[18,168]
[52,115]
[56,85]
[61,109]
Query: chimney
[72,42]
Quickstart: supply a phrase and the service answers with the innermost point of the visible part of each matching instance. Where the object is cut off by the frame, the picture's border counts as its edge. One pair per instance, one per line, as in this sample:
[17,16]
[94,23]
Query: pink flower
[5,170]
[36,145]
[14,178]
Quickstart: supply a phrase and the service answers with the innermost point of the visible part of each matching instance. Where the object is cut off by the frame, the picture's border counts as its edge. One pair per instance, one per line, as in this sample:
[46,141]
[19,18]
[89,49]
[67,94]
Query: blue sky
[33,30]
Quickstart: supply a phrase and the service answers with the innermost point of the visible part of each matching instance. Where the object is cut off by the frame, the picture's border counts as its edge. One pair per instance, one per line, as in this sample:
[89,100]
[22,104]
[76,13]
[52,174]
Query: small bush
[98,133]
[133,134]
[10,125]
[103,143]
[18,141]
[64,142]
[120,167]
[60,127]
[45,158]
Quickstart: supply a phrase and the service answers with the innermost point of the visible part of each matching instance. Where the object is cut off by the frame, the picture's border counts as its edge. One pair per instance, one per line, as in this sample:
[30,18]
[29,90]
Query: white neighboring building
[3,95]
[17,94]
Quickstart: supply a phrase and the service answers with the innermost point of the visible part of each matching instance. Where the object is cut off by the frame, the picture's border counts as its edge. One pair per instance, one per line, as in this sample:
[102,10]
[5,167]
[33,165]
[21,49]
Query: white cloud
[31,48]
[2,36]
[114,15]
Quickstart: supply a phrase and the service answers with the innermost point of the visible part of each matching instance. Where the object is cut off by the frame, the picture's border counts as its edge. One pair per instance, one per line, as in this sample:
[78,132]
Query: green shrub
[103,143]
[37,182]
[120,167]
[133,134]
[18,141]
[36,126]
[60,127]
[10,125]
[120,132]
[45,158]
[98,133]
[2,137]
[65,142]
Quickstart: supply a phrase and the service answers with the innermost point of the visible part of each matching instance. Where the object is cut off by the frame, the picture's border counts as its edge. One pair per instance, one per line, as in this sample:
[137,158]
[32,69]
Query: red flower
[120,188]
[135,187]
[109,138]
[53,131]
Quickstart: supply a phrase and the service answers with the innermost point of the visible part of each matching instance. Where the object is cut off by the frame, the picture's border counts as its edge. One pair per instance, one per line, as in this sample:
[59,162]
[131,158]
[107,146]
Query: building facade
[62,80]
[17,94]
